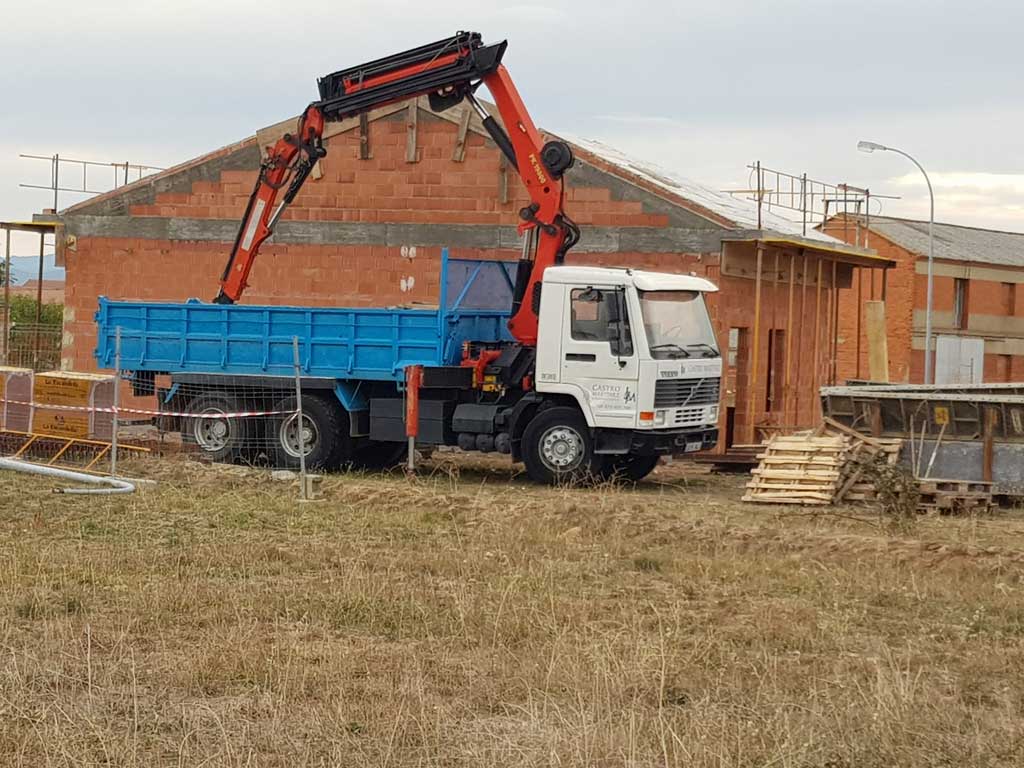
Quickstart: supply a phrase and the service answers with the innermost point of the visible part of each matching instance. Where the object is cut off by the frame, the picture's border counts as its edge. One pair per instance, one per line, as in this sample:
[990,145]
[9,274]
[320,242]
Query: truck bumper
[659,442]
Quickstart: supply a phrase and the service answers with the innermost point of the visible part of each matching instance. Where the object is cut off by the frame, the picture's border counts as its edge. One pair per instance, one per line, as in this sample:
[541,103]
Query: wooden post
[876,418]
[786,395]
[755,346]
[816,367]
[7,295]
[988,446]
[800,347]
[459,153]
[410,135]
[39,301]
[364,137]
[834,341]
[860,306]
[773,374]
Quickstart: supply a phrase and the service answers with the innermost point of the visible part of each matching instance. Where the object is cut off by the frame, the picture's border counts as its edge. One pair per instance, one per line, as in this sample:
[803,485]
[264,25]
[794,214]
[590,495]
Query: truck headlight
[713,413]
[659,418]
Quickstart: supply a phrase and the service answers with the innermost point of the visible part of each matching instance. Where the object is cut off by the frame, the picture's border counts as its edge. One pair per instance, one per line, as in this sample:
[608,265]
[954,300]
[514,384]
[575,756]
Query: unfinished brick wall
[386,189]
[906,293]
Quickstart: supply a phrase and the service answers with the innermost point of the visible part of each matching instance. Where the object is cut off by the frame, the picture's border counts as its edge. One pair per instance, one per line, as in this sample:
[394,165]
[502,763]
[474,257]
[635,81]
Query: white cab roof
[645,281]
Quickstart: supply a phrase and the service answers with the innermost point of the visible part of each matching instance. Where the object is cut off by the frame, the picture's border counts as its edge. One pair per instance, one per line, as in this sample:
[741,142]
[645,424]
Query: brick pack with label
[85,391]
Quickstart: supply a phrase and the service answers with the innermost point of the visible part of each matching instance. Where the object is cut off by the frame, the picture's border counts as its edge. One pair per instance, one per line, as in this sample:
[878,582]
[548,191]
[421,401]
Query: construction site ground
[467,618]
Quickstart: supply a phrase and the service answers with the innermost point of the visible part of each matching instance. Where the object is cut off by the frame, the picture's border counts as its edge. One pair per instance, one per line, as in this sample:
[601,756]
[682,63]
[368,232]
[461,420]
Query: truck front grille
[676,393]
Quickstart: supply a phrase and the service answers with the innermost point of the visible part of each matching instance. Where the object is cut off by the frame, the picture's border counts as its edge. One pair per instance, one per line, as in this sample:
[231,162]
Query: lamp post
[870,146]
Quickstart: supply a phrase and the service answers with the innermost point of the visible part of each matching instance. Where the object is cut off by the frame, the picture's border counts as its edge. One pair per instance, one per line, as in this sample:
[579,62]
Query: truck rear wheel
[557,447]
[324,434]
[218,436]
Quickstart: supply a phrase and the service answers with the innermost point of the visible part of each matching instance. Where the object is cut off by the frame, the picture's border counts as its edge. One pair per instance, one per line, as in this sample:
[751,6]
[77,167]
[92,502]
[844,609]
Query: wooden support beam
[988,445]
[860,312]
[800,347]
[834,342]
[364,137]
[755,346]
[816,366]
[411,155]
[875,409]
[459,153]
[773,374]
[787,395]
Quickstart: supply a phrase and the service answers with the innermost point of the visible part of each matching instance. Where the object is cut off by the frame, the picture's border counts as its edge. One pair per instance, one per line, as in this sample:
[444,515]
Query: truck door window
[595,317]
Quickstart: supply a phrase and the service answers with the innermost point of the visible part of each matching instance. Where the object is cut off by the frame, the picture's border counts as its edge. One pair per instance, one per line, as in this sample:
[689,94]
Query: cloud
[630,119]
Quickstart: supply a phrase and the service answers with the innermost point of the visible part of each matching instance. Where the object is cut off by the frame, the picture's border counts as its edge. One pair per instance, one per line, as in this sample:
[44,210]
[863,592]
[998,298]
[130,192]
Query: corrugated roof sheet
[740,211]
[957,243]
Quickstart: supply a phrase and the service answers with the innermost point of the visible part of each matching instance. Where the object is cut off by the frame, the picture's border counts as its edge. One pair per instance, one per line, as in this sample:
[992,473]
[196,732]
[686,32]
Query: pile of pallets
[798,469]
[949,497]
[864,451]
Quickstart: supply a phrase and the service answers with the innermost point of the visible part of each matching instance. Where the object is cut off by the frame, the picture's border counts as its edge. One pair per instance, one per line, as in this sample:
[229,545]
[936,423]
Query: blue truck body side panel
[343,343]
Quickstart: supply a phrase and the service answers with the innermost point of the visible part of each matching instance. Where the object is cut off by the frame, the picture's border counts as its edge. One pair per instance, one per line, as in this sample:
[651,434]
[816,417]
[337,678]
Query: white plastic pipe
[113,485]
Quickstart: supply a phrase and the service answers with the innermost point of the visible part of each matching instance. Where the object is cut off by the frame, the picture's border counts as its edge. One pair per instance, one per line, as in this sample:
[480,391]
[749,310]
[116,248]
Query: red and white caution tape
[119,410]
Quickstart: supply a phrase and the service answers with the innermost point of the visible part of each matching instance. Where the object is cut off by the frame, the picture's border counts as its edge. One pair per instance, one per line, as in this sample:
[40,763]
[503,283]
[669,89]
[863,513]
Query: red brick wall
[386,188]
[899,310]
[907,291]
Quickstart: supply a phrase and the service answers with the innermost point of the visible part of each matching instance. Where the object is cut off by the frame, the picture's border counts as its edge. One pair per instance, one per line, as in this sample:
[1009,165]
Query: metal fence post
[300,429]
[117,401]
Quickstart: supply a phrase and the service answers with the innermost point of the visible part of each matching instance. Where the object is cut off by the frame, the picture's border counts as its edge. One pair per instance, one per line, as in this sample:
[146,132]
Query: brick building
[398,185]
[977,319]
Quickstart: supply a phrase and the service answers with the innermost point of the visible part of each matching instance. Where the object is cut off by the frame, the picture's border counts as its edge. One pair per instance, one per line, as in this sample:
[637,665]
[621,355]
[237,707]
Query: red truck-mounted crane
[605,371]
[447,71]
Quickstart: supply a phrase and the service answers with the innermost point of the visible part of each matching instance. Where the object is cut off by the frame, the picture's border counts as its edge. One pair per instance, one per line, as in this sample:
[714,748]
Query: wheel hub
[561,448]
[212,434]
[293,440]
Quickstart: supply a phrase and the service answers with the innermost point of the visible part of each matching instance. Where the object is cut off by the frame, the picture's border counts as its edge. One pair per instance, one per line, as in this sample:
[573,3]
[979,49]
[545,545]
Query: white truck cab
[636,351]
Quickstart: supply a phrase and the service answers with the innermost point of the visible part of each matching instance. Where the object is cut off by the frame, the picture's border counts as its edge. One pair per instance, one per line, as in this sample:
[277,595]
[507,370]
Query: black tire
[374,455]
[557,448]
[326,433]
[223,440]
[629,468]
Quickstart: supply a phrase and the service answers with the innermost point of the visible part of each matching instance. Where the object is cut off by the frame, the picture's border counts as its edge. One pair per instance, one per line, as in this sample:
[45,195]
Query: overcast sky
[701,88]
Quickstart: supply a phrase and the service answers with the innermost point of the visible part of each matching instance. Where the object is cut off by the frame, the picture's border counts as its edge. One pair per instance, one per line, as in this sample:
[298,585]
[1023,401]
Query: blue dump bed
[342,343]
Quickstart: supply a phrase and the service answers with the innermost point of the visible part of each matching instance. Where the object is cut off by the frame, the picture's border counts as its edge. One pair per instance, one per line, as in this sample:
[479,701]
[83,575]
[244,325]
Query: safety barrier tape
[119,410]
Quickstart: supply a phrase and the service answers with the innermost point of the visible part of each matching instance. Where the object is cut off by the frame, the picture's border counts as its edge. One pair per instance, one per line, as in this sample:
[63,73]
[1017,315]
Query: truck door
[598,354]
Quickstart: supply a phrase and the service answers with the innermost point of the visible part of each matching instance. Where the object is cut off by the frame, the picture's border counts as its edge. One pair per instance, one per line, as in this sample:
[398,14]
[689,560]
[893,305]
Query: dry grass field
[468,618]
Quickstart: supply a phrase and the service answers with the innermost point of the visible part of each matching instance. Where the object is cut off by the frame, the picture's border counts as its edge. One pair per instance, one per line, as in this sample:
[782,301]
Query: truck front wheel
[630,468]
[557,447]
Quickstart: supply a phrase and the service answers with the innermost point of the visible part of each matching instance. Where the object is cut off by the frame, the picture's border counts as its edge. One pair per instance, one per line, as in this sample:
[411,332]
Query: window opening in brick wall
[959,303]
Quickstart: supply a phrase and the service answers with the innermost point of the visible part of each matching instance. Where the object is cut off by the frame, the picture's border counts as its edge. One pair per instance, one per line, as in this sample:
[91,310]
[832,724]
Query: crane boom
[447,71]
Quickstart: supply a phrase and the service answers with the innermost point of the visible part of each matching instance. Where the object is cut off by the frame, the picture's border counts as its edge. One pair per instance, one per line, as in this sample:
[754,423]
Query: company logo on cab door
[609,396]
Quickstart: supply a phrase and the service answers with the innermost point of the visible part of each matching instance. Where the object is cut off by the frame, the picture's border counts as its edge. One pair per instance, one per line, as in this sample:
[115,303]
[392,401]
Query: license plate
[692,447]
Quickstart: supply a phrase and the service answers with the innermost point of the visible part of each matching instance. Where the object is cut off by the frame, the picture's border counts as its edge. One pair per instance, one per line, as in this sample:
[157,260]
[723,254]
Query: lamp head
[870,146]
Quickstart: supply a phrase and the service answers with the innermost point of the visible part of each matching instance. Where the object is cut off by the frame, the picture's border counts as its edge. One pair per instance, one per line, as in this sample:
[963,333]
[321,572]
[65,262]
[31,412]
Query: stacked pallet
[864,451]
[954,496]
[798,469]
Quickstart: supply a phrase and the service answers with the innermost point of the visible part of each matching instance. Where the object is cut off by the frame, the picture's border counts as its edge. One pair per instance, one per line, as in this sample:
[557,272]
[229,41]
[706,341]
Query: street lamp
[870,146]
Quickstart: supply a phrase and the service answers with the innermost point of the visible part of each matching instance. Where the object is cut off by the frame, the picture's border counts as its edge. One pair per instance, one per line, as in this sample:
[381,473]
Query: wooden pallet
[797,469]
[864,449]
[933,485]
[948,497]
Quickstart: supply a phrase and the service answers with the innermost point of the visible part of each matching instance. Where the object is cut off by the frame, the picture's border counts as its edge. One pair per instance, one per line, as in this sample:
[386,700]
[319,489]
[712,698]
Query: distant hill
[25,268]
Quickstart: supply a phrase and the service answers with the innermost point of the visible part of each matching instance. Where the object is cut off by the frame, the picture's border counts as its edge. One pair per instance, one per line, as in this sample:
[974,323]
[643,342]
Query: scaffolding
[815,201]
[123,173]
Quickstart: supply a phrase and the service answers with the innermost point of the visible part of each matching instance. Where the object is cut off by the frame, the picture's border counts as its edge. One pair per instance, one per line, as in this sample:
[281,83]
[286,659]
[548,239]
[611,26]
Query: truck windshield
[677,324]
